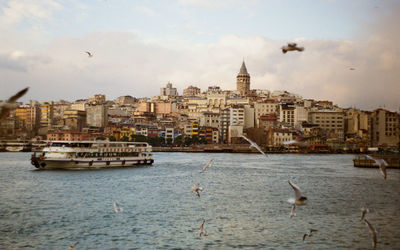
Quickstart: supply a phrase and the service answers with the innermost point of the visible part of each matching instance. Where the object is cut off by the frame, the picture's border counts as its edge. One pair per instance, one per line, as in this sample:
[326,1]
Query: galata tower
[243,81]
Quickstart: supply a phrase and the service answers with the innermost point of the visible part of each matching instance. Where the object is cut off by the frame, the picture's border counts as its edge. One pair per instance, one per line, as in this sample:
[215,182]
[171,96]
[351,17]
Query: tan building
[191,91]
[384,128]
[265,108]
[47,113]
[96,116]
[97,99]
[280,136]
[30,115]
[75,119]
[165,107]
[243,81]
[286,113]
[330,121]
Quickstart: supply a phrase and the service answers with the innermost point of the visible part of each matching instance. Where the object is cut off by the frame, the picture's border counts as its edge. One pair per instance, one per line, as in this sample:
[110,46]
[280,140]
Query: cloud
[145,10]
[19,10]
[128,64]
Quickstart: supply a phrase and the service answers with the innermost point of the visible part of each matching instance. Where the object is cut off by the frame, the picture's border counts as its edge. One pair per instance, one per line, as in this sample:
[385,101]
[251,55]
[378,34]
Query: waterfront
[244,203]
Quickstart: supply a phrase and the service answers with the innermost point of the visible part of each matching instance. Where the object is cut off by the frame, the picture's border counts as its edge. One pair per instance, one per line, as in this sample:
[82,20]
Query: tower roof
[243,69]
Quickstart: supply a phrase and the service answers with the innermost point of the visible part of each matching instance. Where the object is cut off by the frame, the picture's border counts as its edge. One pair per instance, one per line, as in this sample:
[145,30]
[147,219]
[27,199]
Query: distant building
[169,90]
[191,91]
[96,116]
[330,121]
[125,100]
[243,81]
[97,99]
[384,128]
[47,114]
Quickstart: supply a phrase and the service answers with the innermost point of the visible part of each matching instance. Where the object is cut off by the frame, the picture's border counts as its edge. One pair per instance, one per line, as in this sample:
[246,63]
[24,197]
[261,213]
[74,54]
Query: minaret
[243,81]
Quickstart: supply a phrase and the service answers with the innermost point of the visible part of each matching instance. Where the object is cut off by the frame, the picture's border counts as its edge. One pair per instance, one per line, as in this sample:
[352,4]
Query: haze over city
[139,46]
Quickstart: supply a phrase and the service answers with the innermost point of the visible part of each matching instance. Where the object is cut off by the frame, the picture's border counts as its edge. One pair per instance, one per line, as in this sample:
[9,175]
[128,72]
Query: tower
[243,81]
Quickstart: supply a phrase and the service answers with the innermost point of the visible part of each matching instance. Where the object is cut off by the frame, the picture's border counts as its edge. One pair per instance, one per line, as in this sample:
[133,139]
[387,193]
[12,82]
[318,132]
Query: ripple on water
[244,203]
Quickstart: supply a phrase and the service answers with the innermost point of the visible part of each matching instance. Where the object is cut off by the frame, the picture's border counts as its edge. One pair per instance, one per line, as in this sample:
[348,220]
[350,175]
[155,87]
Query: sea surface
[244,204]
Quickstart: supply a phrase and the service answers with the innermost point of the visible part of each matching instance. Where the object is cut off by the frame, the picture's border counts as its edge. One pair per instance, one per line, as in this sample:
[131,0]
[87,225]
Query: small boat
[362,161]
[92,154]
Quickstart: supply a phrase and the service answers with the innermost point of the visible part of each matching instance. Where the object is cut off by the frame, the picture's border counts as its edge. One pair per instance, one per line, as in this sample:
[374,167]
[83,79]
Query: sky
[139,46]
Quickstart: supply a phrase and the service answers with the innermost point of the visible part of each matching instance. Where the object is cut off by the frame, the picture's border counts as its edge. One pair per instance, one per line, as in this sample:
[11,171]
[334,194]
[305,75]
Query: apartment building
[384,128]
[330,121]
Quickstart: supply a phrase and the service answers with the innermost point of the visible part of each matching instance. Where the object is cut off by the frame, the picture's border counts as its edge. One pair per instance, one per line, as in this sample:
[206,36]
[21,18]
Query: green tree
[125,138]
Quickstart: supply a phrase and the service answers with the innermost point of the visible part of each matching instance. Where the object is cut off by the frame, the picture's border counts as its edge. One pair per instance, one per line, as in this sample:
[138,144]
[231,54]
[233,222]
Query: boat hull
[87,163]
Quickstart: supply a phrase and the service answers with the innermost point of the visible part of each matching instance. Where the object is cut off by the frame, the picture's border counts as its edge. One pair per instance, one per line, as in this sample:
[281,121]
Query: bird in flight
[381,163]
[364,211]
[207,166]
[202,232]
[299,199]
[117,208]
[352,69]
[309,234]
[89,54]
[292,213]
[373,232]
[72,247]
[197,189]
[254,145]
[11,104]
[291,47]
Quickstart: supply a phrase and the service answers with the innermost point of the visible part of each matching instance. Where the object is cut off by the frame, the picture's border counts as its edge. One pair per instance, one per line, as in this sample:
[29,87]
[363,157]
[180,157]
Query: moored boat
[362,161]
[92,154]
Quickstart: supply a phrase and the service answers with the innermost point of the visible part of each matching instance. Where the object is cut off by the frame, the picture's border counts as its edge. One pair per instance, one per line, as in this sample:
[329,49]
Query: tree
[125,138]
[179,140]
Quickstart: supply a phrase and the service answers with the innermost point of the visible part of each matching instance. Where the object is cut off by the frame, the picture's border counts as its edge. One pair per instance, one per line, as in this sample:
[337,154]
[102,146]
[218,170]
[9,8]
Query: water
[244,203]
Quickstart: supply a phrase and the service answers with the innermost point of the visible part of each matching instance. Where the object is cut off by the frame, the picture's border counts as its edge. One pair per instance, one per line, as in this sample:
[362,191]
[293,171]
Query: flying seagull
[292,212]
[197,189]
[207,165]
[381,163]
[373,232]
[352,69]
[72,247]
[11,104]
[117,208]
[89,54]
[202,232]
[254,145]
[299,199]
[291,47]
[309,234]
[364,211]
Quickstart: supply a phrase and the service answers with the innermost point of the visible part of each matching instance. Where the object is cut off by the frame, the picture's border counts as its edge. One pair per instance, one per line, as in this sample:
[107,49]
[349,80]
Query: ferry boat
[92,154]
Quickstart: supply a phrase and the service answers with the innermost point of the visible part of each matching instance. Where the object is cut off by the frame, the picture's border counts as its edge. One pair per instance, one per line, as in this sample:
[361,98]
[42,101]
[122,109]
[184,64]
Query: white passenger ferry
[92,154]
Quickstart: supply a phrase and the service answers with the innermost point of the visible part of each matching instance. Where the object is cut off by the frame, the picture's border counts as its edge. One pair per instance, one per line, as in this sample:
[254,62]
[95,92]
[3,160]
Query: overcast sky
[138,46]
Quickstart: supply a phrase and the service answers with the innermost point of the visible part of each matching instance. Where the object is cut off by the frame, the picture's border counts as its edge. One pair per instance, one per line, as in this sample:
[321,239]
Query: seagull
[117,208]
[352,69]
[10,104]
[73,245]
[292,212]
[364,211]
[254,145]
[291,47]
[309,234]
[381,163]
[373,232]
[197,189]
[207,165]
[202,232]
[299,199]
[89,54]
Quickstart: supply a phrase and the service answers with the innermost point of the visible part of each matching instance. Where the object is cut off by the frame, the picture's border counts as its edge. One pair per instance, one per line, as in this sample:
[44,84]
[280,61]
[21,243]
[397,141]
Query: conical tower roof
[243,69]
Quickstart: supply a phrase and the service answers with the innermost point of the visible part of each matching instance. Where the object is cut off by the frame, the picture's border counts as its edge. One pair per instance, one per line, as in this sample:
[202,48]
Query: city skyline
[151,43]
